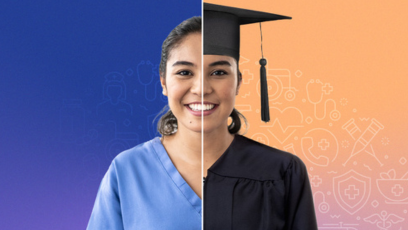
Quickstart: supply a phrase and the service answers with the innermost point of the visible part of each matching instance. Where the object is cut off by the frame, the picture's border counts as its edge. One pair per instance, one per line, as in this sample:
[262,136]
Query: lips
[196,108]
[199,107]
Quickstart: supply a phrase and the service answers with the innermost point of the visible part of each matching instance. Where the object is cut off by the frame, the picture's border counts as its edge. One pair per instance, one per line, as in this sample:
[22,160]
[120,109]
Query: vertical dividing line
[202,117]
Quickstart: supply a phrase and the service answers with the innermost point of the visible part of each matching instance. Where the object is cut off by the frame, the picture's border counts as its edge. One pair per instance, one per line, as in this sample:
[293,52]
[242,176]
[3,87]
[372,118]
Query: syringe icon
[365,138]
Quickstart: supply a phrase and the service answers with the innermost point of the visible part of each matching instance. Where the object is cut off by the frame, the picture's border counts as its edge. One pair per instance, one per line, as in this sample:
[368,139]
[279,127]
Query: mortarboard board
[222,36]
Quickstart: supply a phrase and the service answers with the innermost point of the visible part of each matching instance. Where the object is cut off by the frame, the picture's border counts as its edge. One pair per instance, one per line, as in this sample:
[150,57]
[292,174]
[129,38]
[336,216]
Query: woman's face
[182,83]
[186,81]
[221,85]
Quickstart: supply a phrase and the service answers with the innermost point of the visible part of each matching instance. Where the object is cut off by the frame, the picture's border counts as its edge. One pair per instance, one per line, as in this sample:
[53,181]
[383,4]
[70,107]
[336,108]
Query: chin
[194,128]
[212,128]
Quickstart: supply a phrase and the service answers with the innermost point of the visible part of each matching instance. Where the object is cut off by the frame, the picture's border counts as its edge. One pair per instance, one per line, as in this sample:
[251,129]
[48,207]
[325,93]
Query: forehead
[209,59]
[188,49]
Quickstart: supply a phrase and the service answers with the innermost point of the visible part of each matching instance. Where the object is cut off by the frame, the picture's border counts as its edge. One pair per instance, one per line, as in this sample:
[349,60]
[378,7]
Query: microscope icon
[364,139]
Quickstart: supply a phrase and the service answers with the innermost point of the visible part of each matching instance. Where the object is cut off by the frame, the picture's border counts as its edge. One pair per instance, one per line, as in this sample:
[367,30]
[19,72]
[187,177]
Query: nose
[201,86]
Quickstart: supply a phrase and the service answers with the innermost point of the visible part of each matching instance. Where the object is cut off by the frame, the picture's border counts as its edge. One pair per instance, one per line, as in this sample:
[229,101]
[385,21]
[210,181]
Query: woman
[157,184]
[247,185]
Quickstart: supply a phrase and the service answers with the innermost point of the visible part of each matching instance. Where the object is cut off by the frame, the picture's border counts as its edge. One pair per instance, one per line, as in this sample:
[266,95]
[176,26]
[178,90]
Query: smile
[198,109]
[201,107]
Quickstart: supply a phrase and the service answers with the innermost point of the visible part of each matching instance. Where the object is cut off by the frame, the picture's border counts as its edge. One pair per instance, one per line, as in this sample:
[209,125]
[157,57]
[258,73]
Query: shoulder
[251,159]
[254,149]
[138,154]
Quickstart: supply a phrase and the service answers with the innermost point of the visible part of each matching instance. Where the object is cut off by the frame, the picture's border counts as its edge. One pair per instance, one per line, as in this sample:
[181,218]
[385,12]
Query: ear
[239,82]
[163,84]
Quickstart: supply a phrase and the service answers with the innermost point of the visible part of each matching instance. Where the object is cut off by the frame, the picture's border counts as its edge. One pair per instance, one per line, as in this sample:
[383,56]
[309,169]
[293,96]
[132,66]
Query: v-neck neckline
[223,154]
[175,175]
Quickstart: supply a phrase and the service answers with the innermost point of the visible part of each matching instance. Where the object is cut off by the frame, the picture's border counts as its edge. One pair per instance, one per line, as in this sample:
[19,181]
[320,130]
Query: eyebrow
[183,63]
[220,63]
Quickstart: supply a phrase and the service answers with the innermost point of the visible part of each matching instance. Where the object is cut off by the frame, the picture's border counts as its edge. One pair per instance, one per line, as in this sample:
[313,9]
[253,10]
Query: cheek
[227,90]
[176,90]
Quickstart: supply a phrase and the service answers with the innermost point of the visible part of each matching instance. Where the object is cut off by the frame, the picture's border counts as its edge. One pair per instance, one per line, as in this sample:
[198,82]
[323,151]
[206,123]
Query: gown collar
[221,158]
[178,180]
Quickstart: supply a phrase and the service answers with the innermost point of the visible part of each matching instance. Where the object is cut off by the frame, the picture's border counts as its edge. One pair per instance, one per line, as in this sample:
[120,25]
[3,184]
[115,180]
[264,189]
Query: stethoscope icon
[315,91]
[145,73]
[323,207]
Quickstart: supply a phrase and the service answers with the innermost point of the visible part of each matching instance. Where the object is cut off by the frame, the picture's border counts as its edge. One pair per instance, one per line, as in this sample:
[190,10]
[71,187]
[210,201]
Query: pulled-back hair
[167,124]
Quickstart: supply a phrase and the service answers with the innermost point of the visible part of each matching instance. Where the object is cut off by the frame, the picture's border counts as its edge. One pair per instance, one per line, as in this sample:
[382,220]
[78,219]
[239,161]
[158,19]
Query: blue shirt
[142,189]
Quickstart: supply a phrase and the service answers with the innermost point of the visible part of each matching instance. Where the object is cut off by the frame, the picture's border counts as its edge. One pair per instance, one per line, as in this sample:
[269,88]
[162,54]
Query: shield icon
[351,191]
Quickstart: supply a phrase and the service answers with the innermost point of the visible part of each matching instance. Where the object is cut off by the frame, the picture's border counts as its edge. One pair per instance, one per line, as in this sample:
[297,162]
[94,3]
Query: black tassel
[264,92]
[264,86]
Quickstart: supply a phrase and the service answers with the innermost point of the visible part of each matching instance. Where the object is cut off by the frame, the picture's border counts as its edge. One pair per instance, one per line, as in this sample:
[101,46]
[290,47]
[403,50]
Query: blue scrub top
[142,189]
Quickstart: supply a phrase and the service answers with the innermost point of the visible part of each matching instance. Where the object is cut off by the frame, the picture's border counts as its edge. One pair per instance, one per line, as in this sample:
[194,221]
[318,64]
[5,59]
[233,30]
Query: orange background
[358,51]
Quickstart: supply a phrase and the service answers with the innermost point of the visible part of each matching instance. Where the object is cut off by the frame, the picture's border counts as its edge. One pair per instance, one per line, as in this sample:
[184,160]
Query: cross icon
[327,88]
[397,190]
[352,192]
[316,181]
[323,144]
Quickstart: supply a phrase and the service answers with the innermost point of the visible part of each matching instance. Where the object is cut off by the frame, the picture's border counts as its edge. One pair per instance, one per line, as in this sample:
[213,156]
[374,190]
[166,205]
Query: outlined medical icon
[365,138]
[284,122]
[351,191]
[91,135]
[315,180]
[290,148]
[261,138]
[146,72]
[288,117]
[243,60]
[114,96]
[315,90]
[351,128]
[384,221]
[394,190]
[247,76]
[246,95]
[243,107]
[121,142]
[320,146]
[339,226]
[279,81]
[323,206]
[343,101]
[114,109]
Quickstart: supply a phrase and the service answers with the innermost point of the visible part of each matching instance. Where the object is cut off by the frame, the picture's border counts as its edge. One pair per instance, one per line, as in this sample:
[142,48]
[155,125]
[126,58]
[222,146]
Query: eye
[184,73]
[219,72]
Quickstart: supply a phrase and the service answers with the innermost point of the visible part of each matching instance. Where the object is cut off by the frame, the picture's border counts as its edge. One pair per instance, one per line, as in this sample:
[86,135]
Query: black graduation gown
[256,187]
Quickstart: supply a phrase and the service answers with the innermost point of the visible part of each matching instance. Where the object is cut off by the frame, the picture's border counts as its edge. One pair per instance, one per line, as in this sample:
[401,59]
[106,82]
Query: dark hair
[236,116]
[189,26]
[167,124]
[235,125]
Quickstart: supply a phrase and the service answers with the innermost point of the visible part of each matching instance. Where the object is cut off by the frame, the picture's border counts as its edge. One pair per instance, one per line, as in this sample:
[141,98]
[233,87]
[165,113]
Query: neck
[215,144]
[188,144]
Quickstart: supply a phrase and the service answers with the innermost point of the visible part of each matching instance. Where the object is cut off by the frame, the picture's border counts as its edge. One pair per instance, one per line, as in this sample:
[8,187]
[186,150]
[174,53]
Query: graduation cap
[222,35]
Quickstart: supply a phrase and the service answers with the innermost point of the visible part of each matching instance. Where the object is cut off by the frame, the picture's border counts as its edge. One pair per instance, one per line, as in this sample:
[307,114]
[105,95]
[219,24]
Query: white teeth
[198,107]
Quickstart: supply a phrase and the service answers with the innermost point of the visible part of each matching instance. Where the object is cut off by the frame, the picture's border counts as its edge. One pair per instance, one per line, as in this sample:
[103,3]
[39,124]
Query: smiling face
[186,82]
[221,85]
[182,82]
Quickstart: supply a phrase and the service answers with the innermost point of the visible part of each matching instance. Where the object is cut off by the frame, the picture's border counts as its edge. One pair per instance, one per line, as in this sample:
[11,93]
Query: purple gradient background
[53,53]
